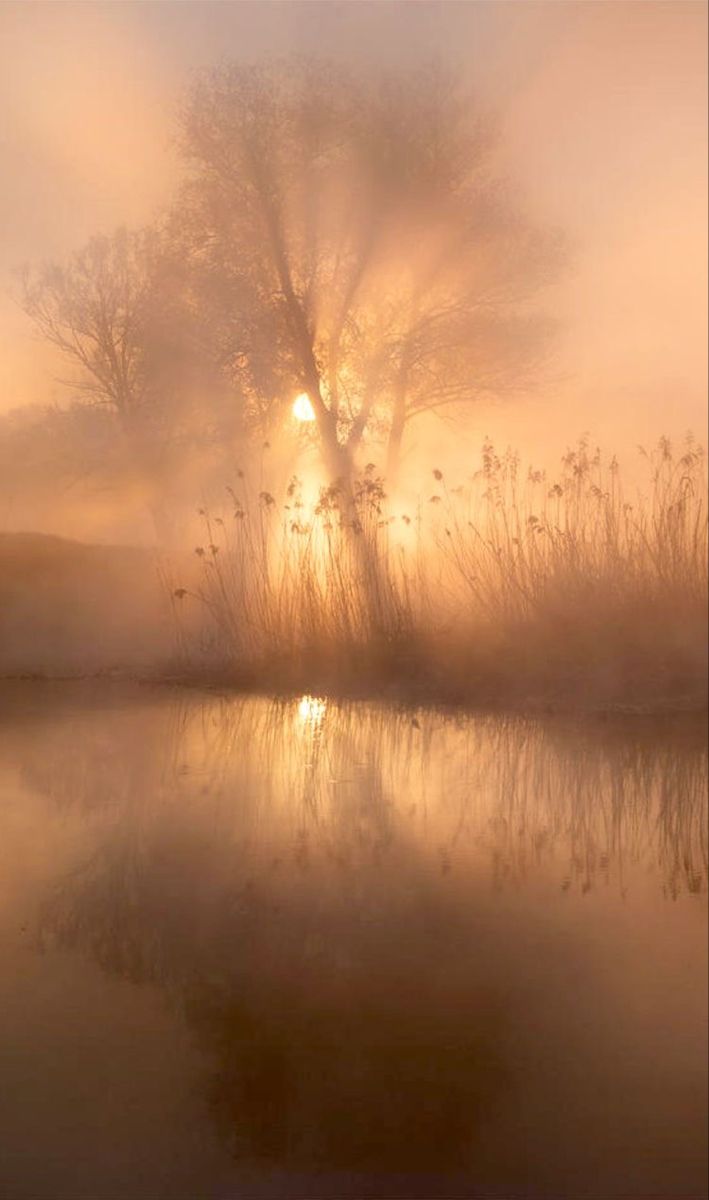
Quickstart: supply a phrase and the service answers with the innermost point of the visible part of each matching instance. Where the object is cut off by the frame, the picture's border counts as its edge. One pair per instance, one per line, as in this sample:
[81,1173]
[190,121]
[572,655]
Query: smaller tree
[94,310]
[114,312]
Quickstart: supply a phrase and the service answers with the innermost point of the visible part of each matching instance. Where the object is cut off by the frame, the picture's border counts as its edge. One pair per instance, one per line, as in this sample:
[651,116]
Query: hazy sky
[603,107]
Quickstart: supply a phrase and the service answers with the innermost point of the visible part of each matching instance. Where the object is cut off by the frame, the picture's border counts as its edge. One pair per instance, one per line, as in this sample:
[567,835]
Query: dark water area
[267,949]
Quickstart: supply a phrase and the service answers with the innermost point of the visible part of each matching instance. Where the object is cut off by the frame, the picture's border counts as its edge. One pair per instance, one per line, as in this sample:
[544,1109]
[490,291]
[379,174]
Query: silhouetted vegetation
[350,239]
[507,588]
[353,748]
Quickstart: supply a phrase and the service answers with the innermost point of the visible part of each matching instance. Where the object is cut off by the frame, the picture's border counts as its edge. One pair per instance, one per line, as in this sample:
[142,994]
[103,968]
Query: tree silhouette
[116,311]
[361,245]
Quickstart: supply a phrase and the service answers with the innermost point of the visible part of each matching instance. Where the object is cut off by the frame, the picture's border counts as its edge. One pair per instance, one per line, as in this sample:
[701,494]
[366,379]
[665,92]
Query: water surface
[300,949]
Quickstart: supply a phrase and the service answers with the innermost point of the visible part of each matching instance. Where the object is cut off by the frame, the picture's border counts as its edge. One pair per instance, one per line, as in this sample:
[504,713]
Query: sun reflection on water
[311,712]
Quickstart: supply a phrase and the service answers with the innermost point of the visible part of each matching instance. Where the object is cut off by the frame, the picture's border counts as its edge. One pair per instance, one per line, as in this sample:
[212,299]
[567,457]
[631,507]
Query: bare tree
[94,310]
[361,237]
[115,313]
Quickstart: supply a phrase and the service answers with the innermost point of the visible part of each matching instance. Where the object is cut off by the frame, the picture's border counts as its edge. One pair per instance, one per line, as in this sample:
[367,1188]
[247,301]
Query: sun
[302,408]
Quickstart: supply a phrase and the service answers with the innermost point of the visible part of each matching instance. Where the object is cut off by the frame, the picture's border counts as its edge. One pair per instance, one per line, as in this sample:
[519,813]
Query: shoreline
[230,685]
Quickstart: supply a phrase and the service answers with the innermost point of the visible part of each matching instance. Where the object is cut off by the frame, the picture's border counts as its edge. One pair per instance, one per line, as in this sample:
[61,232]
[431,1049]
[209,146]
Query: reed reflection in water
[406,944]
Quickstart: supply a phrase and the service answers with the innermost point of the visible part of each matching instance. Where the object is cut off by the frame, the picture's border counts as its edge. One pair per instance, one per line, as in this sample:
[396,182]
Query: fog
[447,226]
[354,571]
[604,116]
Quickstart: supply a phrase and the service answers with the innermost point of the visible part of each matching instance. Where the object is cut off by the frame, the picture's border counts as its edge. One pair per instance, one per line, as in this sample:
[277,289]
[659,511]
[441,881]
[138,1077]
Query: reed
[507,587]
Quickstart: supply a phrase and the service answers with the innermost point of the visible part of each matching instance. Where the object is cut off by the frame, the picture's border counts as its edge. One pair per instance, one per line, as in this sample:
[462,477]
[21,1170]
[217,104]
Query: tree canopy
[335,234]
[359,245]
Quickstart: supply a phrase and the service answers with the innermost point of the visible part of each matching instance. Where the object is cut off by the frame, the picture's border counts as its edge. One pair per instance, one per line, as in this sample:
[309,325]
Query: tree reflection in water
[314,885]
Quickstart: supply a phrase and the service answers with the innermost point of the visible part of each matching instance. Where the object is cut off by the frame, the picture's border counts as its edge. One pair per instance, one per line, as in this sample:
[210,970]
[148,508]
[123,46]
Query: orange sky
[604,111]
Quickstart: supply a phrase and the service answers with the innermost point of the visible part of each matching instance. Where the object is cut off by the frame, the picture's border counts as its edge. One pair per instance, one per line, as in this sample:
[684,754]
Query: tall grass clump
[291,588]
[509,586]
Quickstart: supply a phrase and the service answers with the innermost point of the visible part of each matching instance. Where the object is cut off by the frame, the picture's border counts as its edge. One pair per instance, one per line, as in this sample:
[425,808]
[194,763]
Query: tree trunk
[398,419]
[396,435]
[399,413]
[338,459]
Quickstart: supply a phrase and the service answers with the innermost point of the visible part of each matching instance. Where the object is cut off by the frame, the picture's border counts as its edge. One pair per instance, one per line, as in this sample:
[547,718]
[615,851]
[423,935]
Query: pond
[293,949]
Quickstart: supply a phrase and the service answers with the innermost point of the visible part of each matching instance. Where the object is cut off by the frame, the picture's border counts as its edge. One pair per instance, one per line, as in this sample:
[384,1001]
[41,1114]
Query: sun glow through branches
[302,408]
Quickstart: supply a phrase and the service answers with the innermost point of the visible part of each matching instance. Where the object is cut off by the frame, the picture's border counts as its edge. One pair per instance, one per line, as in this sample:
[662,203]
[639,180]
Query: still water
[301,949]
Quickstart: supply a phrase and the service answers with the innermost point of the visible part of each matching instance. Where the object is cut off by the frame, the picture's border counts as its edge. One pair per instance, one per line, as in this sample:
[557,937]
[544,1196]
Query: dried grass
[508,588]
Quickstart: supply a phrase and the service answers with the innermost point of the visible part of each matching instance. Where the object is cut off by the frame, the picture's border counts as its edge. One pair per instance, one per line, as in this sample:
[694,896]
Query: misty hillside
[66,607]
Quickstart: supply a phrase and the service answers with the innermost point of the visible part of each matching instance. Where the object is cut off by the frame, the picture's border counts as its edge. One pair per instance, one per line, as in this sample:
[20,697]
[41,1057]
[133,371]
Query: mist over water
[353,595]
[385,955]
